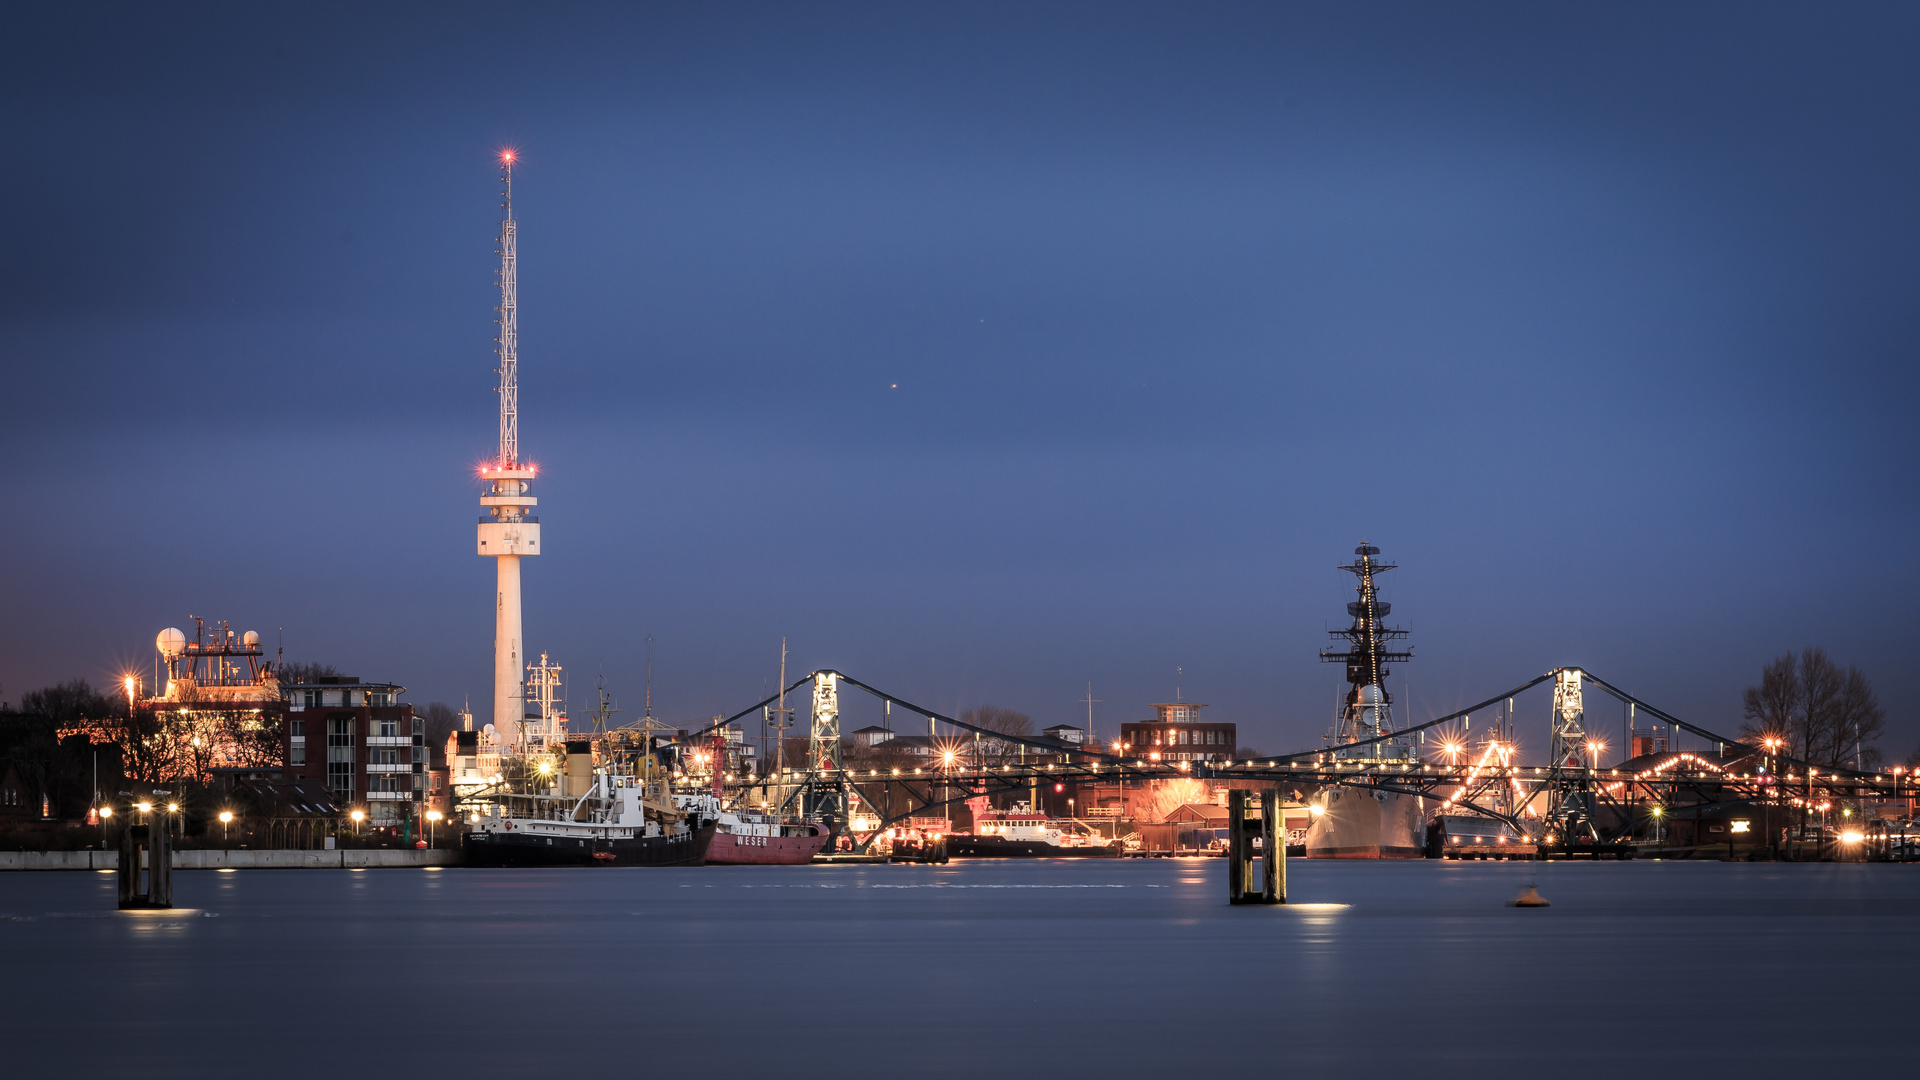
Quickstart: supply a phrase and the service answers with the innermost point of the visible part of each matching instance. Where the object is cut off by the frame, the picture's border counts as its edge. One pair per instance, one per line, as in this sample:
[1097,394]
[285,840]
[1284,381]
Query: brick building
[358,739]
[1178,734]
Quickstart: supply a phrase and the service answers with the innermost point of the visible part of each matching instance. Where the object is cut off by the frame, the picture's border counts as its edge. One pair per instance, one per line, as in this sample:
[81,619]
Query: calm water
[1069,968]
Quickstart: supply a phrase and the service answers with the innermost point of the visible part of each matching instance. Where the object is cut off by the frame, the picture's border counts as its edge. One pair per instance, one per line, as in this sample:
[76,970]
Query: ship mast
[1368,708]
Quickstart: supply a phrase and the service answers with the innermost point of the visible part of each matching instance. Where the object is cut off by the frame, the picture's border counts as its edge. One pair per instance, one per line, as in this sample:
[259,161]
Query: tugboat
[619,819]
[1021,832]
[1353,822]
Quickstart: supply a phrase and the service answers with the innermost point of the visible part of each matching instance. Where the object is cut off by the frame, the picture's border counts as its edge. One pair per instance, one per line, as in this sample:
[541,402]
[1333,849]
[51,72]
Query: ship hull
[494,849]
[731,849]
[999,847]
[1361,824]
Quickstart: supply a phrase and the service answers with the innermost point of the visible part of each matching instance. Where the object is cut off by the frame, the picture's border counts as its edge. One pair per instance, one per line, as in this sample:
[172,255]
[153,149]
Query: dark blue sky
[1600,320]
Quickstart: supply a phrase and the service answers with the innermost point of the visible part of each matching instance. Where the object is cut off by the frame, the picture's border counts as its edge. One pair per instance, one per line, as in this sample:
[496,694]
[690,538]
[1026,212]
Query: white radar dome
[251,639]
[1371,695]
[170,642]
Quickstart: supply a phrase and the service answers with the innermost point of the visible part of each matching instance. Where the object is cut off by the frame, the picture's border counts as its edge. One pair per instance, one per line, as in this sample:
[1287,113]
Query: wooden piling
[160,862]
[1236,846]
[1273,844]
[129,872]
[1264,820]
[149,839]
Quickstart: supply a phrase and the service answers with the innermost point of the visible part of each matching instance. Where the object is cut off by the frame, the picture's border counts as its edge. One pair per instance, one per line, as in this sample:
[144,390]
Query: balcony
[389,740]
[398,767]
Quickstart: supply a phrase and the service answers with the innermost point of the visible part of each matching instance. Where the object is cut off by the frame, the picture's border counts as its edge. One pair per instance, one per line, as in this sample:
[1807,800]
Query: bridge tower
[1570,783]
[827,784]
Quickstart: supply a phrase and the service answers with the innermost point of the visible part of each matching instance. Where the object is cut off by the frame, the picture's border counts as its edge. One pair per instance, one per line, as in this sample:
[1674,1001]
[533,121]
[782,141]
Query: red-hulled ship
[755,839]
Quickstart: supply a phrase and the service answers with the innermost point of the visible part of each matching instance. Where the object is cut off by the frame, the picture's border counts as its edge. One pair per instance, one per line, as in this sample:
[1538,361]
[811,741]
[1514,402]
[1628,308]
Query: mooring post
[1236,846]
[148,838]
[160,864]
[1273,843]
[129,870]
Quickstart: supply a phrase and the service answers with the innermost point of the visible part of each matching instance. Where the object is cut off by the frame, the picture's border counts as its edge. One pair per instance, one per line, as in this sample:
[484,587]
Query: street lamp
[433,816]
[226,819]
[357,817]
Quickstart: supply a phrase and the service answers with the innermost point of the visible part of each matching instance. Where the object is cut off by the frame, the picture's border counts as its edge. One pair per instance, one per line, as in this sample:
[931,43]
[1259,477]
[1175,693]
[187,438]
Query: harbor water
[1107,968]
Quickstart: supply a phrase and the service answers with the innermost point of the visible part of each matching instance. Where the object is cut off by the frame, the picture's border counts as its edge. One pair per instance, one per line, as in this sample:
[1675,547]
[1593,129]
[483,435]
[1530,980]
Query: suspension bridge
[1568,802]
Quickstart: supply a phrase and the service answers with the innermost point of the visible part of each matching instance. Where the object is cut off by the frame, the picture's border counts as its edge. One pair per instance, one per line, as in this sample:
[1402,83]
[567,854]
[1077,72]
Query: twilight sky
[981,350]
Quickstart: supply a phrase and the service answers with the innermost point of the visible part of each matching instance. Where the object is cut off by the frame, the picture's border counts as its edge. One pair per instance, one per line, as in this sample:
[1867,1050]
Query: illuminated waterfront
[1090,967]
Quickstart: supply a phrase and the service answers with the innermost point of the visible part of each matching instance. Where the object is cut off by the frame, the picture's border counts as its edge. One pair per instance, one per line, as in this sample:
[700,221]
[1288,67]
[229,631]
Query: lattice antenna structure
[507,344]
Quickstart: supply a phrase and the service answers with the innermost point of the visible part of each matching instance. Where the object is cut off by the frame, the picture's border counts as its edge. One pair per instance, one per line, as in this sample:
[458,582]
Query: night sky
[981,350]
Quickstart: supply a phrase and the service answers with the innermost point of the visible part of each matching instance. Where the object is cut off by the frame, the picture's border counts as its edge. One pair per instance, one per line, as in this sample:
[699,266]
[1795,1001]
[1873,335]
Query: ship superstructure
[1363,726]
[1355,821]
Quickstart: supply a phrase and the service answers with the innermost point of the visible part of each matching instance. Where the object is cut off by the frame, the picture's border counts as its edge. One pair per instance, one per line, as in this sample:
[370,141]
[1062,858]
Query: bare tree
[1826,716]
[295,672]
[1770,707]
[442,722]
[249,737]
[1859,721]
[69,703]
[1820,684]
[1006,722]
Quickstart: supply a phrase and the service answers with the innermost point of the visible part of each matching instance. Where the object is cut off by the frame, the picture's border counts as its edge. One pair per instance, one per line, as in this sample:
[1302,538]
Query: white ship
[565,808]
[1356,822]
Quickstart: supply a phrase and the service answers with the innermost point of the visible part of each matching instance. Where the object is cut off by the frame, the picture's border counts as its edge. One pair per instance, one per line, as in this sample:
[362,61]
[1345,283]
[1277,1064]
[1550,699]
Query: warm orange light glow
[506,157]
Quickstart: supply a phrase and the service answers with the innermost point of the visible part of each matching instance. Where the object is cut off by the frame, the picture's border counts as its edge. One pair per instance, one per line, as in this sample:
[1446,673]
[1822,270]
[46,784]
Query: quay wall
[248,859]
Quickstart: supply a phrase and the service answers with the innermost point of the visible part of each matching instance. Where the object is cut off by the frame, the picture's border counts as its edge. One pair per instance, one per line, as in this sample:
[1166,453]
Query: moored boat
[745,839]
[1022,833]
[535,842]
[591,814]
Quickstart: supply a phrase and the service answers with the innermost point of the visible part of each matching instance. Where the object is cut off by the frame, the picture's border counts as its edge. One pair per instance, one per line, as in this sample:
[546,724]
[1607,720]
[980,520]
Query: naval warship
[1354,822]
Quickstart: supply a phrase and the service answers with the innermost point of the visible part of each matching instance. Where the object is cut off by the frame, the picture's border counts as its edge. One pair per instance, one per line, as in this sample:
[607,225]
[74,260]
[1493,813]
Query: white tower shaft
[508,698]
[508,529]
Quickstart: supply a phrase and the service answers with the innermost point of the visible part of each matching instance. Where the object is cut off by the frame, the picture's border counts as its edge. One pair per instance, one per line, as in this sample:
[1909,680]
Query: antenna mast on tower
[508,348]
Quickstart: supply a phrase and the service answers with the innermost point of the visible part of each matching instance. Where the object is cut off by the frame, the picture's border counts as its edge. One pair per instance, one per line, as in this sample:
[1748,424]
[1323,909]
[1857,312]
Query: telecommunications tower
[508,529]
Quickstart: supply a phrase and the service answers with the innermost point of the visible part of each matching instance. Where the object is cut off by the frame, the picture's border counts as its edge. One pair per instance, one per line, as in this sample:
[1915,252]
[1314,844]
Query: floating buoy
[1530,898]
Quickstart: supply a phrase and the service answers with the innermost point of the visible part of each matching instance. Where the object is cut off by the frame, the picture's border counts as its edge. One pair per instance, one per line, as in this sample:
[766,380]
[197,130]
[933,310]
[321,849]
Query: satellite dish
[170,642]
[251,639]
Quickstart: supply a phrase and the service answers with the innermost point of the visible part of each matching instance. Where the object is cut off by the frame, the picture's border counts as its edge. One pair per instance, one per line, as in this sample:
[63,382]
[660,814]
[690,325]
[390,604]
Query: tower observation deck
[509,531]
